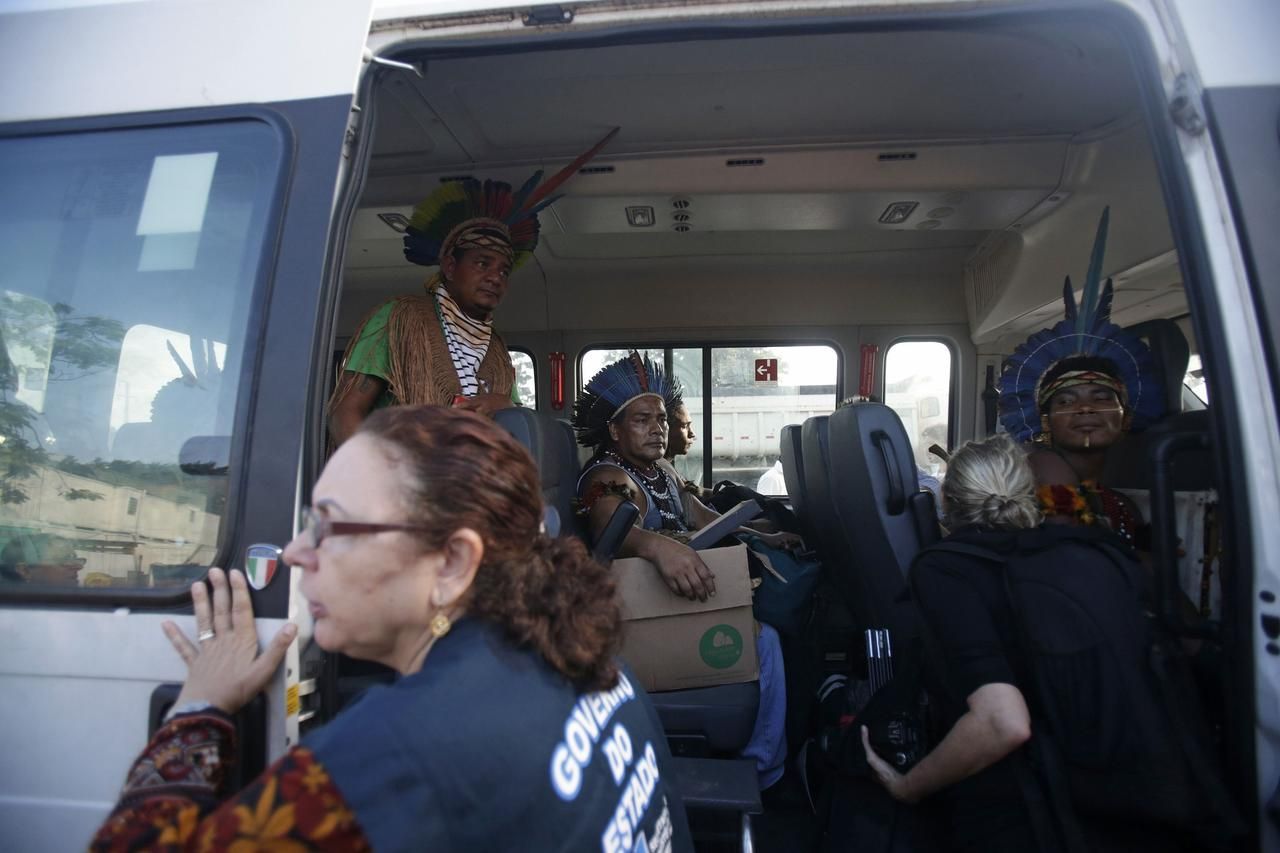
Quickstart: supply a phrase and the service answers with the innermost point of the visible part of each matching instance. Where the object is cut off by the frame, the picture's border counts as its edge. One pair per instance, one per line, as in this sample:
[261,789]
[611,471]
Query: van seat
[723,715]
[556,460]
[792,455]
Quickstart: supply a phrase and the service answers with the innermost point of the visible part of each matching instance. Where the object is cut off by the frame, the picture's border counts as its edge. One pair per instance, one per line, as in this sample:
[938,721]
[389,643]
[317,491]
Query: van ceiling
[778,146]
[754,93]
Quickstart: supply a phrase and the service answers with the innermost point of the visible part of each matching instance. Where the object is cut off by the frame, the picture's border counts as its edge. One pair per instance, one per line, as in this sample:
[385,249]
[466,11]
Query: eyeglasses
[1088,410]
[319,527]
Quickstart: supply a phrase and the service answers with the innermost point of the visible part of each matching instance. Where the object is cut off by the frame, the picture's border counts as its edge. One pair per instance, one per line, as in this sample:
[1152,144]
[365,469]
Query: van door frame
[1191,216]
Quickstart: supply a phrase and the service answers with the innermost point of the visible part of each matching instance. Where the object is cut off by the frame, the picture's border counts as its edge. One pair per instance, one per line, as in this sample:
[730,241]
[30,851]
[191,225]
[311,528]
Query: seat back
[815,487]
[557,462]
[793,468]
[824,525]
[879,517]
[1171,354]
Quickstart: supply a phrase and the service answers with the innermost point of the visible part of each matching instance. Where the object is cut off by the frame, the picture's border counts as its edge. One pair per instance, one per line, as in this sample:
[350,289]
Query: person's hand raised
[224,667]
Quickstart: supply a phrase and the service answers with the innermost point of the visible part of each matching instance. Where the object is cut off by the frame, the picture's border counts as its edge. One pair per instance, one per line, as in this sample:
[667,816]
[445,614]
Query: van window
[917,385]
[595,360]
[526,377]
[686,363]
[1194,381]
[130,263]
[756,391]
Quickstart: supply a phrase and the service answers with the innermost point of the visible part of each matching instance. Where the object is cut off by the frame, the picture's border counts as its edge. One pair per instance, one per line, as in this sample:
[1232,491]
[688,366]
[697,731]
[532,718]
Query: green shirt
[369,354]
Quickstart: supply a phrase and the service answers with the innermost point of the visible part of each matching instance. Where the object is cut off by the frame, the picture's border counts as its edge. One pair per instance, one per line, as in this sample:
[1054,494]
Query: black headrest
[793,466]
[552,446]
[528,429]
[815,459]
[1171,353]
[875,483]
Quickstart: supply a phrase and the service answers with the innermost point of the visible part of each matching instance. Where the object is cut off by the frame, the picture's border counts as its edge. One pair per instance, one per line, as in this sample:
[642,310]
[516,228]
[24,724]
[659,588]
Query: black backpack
[1116,714]
[728,494]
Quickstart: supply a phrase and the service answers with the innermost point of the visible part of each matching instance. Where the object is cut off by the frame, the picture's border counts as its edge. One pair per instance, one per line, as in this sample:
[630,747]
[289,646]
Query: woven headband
[1073,378]
[480,233]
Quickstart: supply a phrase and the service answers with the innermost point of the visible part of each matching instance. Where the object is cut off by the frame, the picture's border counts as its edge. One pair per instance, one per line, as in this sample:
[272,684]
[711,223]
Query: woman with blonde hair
[988,497]
[1012,604]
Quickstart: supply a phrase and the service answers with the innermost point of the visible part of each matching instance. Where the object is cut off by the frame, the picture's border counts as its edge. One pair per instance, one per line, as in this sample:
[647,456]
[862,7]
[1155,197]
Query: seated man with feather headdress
[622,415]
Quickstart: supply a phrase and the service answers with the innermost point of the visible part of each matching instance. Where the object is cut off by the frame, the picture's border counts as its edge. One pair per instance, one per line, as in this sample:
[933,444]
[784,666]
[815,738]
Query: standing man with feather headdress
[440,348]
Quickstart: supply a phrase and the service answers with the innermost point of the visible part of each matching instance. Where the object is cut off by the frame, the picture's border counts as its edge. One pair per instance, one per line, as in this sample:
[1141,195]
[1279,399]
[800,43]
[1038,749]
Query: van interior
[851,186]
[795,212]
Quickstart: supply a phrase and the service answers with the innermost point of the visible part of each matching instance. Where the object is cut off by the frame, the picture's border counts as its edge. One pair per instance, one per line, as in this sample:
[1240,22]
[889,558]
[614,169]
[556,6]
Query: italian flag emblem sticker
[260,563]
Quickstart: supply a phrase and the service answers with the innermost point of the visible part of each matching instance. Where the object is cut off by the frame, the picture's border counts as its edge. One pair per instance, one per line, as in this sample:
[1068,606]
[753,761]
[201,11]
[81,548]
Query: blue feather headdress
[615,387]
[504,220]
[1087,331]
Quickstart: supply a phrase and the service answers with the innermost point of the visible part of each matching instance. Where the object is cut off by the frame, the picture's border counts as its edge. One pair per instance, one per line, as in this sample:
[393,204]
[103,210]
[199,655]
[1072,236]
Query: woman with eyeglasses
[512,726]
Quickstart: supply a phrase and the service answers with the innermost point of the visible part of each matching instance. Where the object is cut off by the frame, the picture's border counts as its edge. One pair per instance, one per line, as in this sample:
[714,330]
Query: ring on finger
[206,634]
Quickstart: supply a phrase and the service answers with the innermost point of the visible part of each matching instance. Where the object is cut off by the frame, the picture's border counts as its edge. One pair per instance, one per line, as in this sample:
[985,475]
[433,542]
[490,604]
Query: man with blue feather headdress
[622,415]
[1073,391]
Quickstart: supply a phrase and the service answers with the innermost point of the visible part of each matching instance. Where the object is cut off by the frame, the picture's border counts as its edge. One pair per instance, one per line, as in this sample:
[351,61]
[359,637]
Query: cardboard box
[673,643]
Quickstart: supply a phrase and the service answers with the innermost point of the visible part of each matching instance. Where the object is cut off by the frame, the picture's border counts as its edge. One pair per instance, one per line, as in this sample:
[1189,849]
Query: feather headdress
[1086,331]
[615,387]
[508,219]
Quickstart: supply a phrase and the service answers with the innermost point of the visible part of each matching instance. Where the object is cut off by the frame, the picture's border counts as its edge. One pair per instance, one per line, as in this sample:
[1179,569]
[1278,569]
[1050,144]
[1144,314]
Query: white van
[201,200]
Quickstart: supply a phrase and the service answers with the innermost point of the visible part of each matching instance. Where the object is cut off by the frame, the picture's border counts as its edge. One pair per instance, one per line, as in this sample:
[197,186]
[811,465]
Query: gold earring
[1045,437]
[440,625]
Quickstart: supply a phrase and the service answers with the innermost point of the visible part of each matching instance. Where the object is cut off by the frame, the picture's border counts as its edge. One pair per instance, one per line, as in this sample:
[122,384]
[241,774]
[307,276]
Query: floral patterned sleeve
[171,799]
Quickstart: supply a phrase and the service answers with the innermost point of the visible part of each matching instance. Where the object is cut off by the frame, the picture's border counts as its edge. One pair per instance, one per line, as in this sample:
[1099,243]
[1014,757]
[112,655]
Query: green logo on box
[720,646]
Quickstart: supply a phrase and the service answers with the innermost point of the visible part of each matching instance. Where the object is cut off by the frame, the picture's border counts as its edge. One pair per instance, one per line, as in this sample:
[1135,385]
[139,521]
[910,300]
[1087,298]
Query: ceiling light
[640,216]
[898,212]
[397,222]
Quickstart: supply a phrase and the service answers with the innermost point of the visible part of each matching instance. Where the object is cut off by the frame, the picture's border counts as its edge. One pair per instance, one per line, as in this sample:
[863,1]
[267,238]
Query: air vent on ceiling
[397,222]
[895,156]
[596,170]
[989,271]
[448,179]
[680,203]
[744,161]
[682,227]
[681,217]
[898,212]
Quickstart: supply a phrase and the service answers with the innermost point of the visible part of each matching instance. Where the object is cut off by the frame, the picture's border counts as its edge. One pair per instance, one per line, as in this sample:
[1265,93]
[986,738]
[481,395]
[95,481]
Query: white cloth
[468,341]
[772,482]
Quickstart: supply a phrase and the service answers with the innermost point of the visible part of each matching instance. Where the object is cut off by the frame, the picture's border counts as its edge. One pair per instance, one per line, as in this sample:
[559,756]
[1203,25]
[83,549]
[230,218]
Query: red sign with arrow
[766,370]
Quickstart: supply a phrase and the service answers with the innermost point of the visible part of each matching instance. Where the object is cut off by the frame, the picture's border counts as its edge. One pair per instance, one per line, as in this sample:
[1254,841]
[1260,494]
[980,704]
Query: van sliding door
[167,175]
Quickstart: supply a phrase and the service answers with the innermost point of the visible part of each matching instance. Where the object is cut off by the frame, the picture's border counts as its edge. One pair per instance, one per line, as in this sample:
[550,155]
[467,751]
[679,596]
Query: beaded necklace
[659,489]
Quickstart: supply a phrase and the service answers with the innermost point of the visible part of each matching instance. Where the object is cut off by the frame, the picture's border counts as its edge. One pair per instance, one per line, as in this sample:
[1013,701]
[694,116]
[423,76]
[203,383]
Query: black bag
[1111,695]
[728,494]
